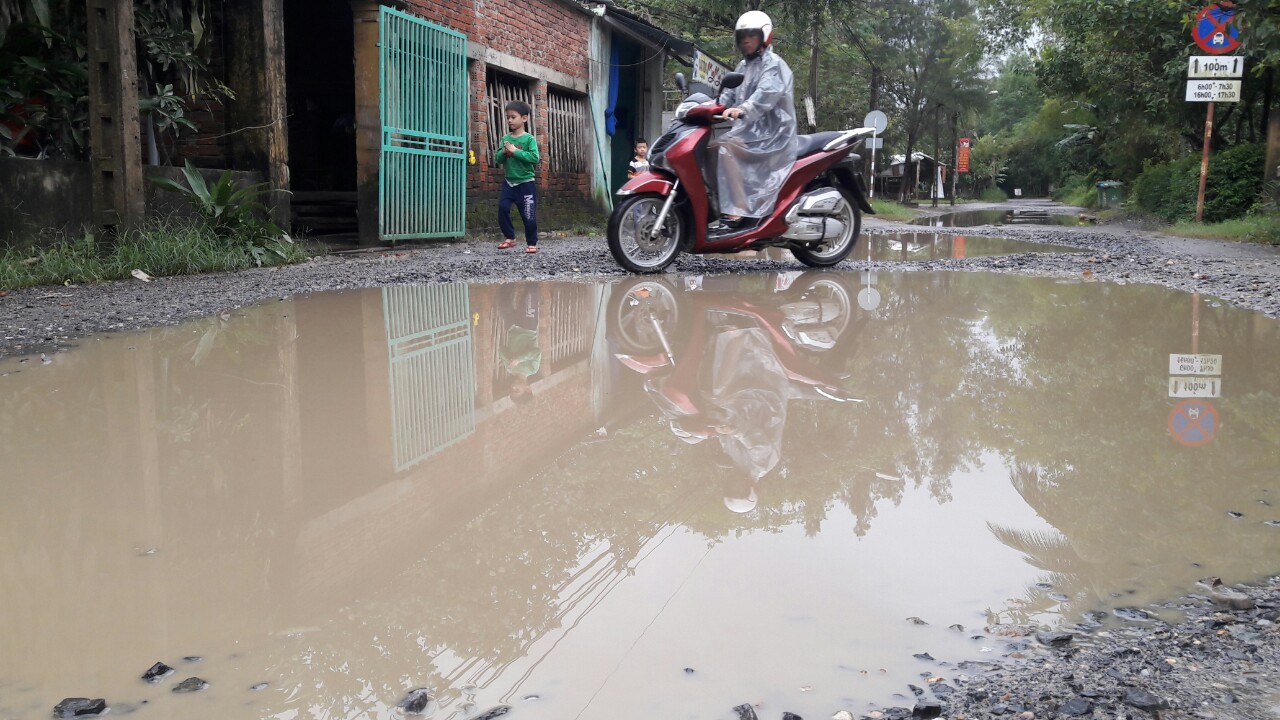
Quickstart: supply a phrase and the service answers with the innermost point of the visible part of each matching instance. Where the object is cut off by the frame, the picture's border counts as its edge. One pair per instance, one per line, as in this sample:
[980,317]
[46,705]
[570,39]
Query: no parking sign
[1194,422]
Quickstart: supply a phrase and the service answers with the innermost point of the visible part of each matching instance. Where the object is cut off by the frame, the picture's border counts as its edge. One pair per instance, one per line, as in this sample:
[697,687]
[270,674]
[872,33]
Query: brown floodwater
[921,246]
[560,496]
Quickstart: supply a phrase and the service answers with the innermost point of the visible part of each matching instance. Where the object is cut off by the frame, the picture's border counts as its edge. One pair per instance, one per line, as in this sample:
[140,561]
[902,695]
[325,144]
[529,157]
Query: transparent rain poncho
[757,152]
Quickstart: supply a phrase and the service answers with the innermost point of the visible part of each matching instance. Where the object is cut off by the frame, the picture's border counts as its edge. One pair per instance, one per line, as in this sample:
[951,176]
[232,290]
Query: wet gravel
[1218,656]
[1216,662]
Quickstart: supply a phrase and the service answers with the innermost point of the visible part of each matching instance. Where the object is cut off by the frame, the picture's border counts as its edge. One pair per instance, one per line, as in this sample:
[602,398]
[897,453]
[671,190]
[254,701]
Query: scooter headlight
[683,109]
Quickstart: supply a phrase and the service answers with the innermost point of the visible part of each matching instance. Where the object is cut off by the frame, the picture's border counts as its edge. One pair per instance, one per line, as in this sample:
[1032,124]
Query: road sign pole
[873,166]
[1204,163]
[1195,323]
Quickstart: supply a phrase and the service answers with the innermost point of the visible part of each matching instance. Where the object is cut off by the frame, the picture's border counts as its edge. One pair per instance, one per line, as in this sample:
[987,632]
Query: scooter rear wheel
[632,239]
[835,251]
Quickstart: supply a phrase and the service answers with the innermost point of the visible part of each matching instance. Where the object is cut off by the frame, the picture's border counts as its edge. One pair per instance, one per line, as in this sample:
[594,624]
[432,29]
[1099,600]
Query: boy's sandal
[506,244]
[531,249]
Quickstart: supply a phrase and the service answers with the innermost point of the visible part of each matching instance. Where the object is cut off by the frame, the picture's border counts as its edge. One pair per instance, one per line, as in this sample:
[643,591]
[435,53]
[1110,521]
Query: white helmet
[754,21]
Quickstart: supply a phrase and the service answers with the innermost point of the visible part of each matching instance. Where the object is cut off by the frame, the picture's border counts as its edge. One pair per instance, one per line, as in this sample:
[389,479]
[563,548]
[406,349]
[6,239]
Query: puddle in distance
[507,491]
[909,247]
[974,218]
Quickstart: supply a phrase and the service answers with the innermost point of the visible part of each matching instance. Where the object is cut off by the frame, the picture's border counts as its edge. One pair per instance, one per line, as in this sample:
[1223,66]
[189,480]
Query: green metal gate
[424,96]
[432,374]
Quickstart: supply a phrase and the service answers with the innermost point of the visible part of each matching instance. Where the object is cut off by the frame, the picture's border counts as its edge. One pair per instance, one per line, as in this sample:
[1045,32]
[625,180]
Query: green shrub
[161,247]
[1169,190]
[994,195]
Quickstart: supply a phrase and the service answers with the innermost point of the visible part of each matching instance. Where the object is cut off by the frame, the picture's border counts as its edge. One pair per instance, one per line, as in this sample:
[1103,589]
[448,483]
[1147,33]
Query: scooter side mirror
[681,83]
[731,80]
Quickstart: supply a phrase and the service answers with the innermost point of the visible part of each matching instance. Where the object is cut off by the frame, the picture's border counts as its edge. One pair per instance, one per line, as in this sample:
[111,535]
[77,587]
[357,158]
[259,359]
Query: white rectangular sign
[1195,387]
[1210,66]
[1213,90]
[707,70]
[874,143]
[1195,364]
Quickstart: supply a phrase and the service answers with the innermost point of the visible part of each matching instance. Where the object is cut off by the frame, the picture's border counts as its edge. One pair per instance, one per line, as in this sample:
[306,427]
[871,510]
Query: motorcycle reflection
[722,363]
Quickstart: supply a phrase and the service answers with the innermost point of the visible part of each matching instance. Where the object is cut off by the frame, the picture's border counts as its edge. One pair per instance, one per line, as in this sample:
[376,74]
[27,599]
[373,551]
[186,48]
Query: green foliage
[231,211]
[994,195]
[1078,189]
[1259,228]
[1168,190]
[890,210]
[162,247]
[44,83]
[44,91]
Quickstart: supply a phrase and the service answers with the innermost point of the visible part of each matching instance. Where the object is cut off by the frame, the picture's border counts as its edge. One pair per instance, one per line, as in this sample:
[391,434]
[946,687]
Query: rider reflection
[746,408]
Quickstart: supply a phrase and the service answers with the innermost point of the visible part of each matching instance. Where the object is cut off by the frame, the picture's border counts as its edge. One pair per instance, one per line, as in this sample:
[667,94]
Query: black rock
[957,627]
[415,701]
[791,716]
[1133,613]
[1000,709]
[496,711]
[190,685]
[688,671]
[1234,514]
[79,707]
[259,686]
[1076,707]
[1054,639]
[918,692]
[927,709]
[942,690]
[193,658]
[156,672]
[897,713]
[1143,700]
[745,712]
[923,656]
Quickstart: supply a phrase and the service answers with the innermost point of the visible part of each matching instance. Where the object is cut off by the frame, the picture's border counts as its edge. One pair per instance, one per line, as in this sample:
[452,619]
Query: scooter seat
[807,145]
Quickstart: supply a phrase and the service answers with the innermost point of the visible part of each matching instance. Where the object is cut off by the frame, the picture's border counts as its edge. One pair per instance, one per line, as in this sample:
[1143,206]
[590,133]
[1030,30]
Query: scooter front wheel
[636,241]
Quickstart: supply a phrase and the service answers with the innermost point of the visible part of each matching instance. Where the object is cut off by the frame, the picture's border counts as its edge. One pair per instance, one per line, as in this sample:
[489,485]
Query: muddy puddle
[651,498]
[922,246]
[1022,216]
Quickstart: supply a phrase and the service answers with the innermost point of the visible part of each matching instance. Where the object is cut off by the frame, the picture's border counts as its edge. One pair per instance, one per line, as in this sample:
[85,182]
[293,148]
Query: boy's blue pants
[525,197]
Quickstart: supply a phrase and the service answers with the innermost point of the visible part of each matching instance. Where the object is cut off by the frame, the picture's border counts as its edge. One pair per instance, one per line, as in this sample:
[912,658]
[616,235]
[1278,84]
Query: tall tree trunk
[813,67]
[875,88]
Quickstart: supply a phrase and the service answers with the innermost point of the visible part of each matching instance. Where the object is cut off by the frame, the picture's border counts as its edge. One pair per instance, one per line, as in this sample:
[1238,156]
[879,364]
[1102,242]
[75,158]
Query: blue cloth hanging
[610,118]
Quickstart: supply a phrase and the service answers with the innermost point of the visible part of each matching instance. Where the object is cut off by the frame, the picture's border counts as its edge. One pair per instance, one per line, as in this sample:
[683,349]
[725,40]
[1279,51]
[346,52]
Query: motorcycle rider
[756,154]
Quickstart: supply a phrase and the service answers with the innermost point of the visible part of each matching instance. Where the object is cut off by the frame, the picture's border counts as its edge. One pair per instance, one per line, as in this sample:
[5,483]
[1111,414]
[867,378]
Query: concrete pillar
[114,128]
[256,73]
[368,119]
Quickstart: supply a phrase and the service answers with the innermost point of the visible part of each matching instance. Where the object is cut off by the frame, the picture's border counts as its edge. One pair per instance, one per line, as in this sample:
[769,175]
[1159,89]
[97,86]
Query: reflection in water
[1022,216]
[523,488]
[921,246]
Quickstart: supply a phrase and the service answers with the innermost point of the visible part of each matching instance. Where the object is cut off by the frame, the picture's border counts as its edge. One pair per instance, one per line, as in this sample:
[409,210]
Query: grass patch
[890,210]
[994,195]
[166,247]
[1252,228]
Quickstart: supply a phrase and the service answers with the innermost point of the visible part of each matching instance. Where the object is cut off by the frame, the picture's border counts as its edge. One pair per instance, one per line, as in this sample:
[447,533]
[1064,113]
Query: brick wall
[547,33]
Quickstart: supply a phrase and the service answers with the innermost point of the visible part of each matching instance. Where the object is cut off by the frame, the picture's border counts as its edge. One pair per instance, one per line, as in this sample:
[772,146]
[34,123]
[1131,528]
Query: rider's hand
[733,113]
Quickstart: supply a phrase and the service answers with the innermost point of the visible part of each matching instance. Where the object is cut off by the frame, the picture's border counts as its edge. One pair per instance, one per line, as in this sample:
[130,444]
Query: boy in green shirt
[519,155]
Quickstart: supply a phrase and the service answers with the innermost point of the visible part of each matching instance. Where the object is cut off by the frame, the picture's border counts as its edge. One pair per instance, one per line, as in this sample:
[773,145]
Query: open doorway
[320,76]
[626,74]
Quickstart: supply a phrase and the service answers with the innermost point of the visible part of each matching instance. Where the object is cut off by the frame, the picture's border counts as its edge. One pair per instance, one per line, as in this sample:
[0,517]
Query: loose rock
[1143,700]
[745,712]
[416,701]
[157,672]
[79,707]
[190,685]
[1076,707]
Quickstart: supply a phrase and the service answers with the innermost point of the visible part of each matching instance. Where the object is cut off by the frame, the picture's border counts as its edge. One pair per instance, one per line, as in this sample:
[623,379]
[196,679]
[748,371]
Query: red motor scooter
[666,211]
